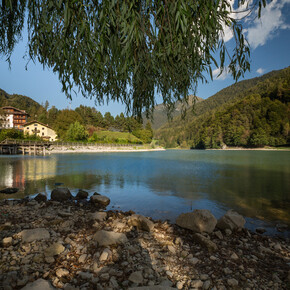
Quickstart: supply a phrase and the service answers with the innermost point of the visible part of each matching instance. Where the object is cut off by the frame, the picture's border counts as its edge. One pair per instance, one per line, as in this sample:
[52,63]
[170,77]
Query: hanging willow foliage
[126,50]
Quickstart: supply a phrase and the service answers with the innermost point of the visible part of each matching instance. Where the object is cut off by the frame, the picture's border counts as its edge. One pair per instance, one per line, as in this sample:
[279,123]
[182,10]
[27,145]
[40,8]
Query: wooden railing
[61,144]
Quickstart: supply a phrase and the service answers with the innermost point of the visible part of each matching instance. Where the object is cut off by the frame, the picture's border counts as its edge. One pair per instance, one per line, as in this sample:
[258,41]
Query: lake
[166,183]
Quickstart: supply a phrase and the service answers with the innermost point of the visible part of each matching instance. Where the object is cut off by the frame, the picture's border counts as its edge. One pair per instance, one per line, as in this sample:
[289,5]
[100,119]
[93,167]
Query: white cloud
[223,76]
[259,30]
[260,71]
[267,26]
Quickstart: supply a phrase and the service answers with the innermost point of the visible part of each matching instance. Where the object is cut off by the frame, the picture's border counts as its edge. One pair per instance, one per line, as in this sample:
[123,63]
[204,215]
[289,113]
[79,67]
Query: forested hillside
[256,114]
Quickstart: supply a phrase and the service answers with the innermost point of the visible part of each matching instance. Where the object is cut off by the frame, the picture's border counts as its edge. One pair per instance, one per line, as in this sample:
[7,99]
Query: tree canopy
[128,50]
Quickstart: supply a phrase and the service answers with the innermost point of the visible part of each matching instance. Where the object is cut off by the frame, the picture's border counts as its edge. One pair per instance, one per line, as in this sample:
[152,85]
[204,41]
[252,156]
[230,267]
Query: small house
[39,129]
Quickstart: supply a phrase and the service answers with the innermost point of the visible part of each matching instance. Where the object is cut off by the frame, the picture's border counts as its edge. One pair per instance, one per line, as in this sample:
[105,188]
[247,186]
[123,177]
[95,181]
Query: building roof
[18,110]
[31,122]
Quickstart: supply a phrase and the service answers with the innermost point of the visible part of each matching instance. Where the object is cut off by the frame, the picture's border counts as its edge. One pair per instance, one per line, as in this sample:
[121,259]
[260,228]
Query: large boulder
[231,220]
[106,238]
[9,190]
[39,284]
[82,194]
[28,236]
[201,220]
[41,197]
[100,200]
[61,194]
[141,222]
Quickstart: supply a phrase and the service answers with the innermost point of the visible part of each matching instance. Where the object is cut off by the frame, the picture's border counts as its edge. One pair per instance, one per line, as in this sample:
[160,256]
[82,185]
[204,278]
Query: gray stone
[98,216]
[154,287]
[210,245]
[196,284]
[231,220]
[100,200]
[34,235]
[232,282]
[141,222]
[106,238]
[54,249]
[39,284]
[136,277]
[82,258]
[61,194]
[201,220]
[260,230]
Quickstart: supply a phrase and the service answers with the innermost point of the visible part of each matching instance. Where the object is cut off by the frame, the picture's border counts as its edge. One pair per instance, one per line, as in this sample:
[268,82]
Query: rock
[82,194]
[7,242]
[98,216]
[219,235]
[206,284]
[179,285]
[106,238]
[172,249]
[260,230]
[232,282]
[201,220]
[61,194]
[136,277]
[82,258]
[34,235]
[100,200]
[194,261]
[9,190]
[141,222]
[54,249]
[234,256]
[154,287]
[39,284]
[61,272]
[40,198]
[196,284]
[231,220]
[105,255]
[210,245]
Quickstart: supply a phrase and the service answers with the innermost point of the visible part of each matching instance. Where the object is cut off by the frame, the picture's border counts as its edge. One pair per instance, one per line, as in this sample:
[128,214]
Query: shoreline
[61,244]
[102,150]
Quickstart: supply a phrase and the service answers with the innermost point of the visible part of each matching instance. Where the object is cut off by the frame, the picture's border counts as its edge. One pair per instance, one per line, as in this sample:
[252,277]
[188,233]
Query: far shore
[101,149]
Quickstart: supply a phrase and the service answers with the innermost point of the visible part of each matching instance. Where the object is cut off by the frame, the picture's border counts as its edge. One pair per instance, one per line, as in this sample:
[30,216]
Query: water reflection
[163,184]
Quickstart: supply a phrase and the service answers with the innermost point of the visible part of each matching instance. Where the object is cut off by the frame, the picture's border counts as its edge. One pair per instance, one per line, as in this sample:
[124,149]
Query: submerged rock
[82,194]
[9,190]
[61,194]
[201,220]
[231,220]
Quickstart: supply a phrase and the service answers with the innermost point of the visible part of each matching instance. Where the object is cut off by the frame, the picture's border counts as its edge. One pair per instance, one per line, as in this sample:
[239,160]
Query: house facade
[39,129]
[12,118]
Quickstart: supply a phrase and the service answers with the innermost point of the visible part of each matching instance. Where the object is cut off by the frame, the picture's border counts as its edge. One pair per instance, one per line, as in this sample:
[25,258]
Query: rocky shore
[71,243]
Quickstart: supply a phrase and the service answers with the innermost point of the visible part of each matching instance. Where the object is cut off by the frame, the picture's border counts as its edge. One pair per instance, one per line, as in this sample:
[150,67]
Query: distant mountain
[160,116]
[21,102]
[210,115]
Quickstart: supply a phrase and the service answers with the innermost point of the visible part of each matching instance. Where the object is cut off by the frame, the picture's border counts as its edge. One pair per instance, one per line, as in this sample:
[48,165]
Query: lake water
[166,183]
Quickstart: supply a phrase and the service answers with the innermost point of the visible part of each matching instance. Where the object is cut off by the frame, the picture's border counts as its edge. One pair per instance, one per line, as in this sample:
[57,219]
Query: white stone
[7,242]
[54,249]
[82,258]
[61,272]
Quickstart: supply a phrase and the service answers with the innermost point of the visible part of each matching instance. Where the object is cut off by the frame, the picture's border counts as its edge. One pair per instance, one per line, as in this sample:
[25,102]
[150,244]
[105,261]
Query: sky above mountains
[269,39]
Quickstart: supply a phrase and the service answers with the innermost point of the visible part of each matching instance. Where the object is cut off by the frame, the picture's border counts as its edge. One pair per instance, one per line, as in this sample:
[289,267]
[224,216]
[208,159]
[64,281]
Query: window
[42,134]
[35,125]
[27,128]
[42,128]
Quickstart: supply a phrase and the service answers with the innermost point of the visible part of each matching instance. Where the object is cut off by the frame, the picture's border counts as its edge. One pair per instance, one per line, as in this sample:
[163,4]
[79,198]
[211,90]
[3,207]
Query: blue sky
[269,38]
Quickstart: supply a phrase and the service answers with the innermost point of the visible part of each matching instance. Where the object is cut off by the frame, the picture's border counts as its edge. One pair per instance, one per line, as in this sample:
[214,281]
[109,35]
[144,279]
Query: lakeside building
[12,118]
[39,129]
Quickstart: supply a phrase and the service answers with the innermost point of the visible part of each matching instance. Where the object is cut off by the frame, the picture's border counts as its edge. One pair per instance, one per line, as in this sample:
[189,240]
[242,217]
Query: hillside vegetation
[251,113]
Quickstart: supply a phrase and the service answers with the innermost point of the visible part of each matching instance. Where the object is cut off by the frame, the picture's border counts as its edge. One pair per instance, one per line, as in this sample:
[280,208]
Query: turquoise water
[164,184]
